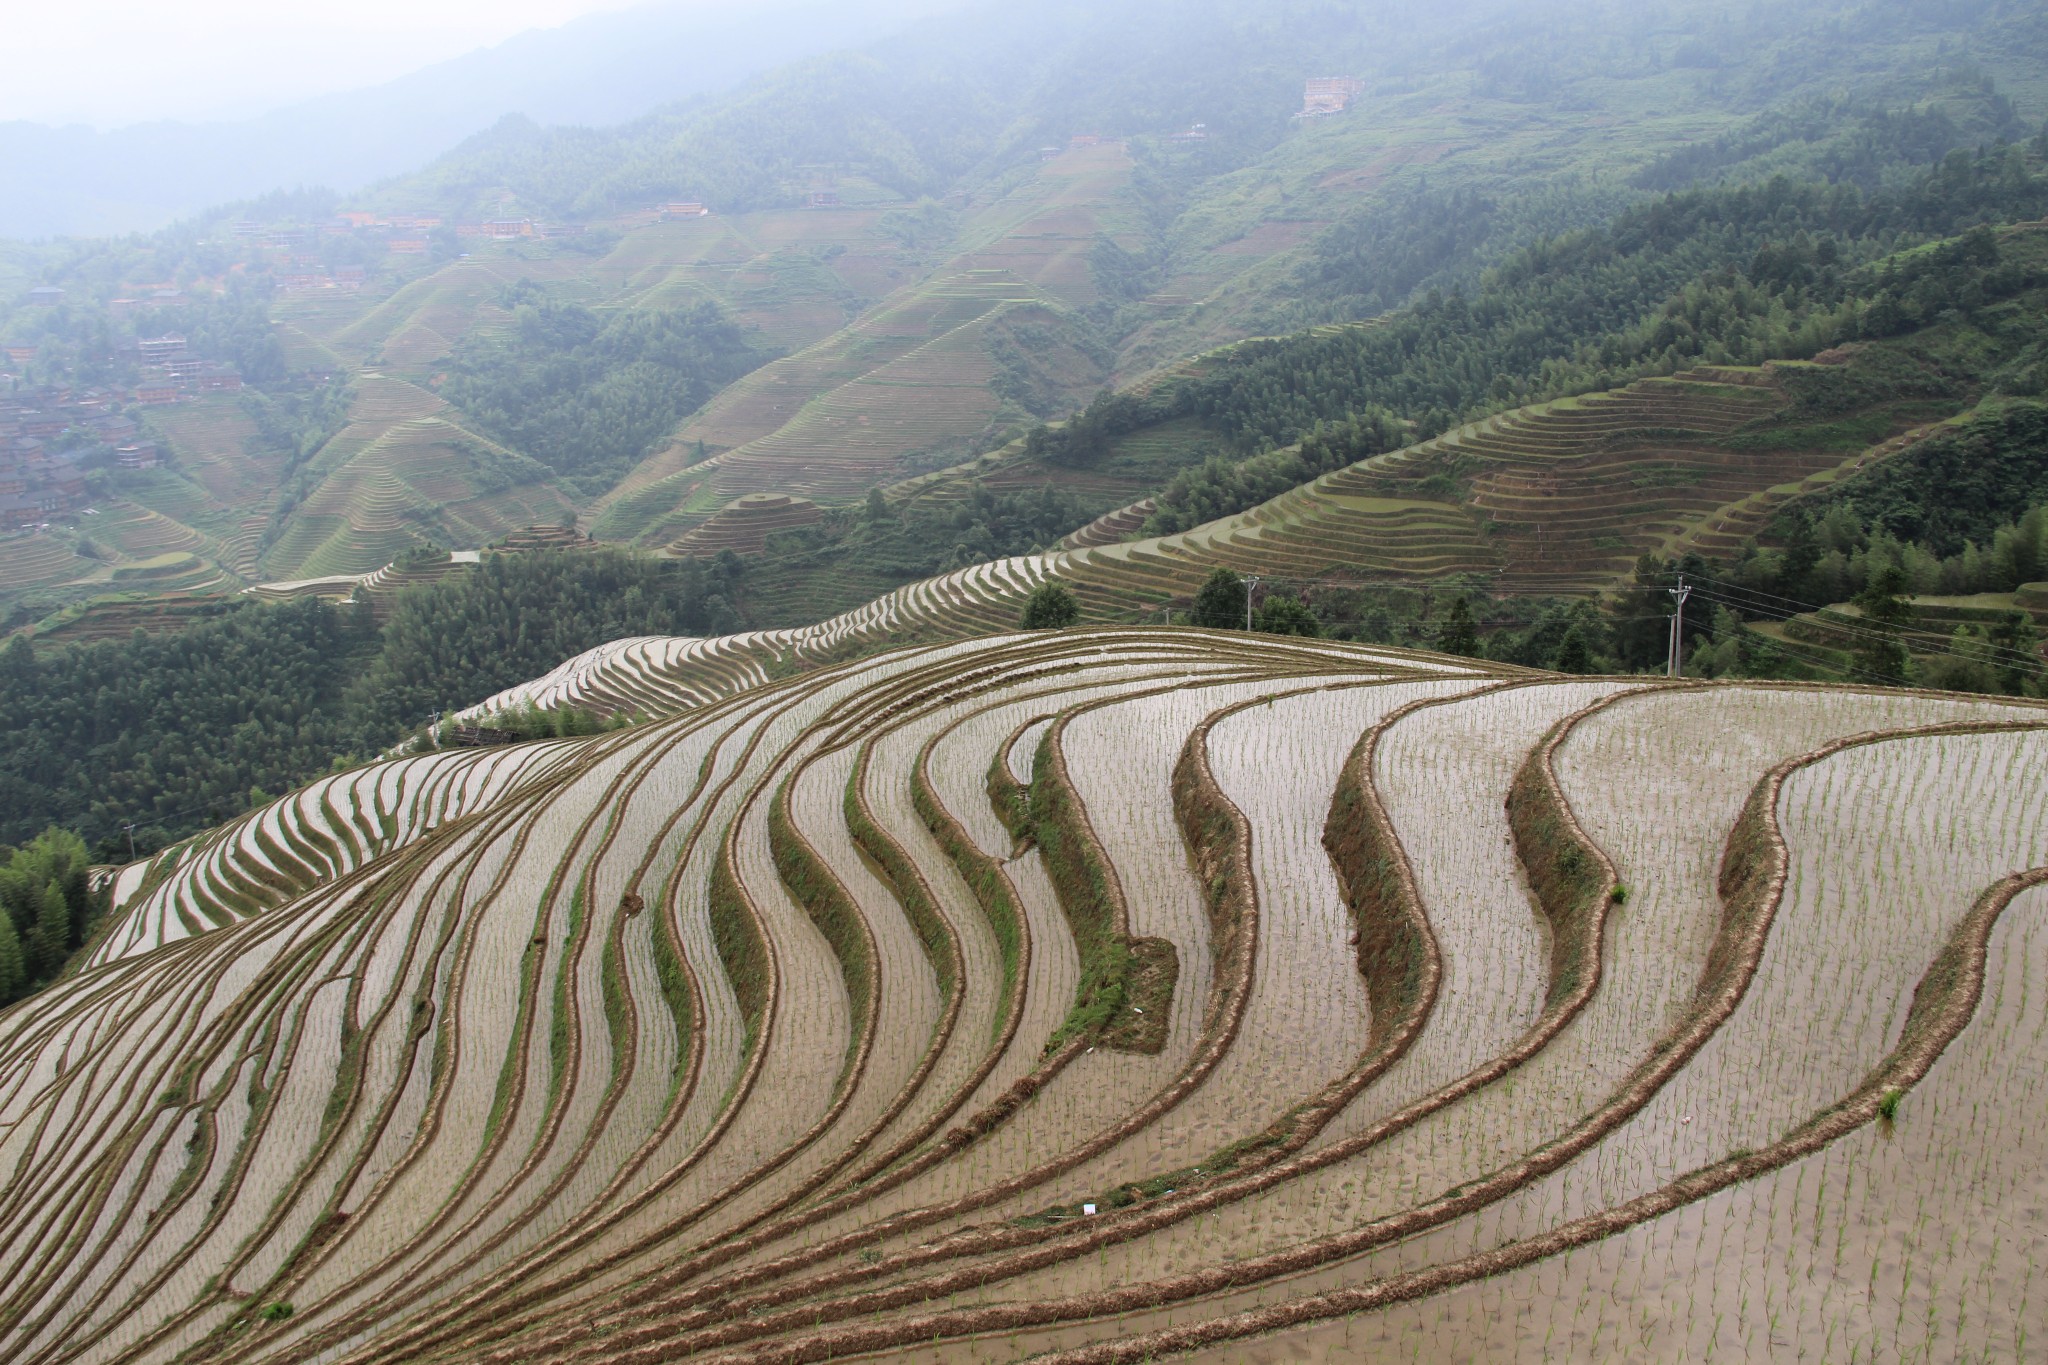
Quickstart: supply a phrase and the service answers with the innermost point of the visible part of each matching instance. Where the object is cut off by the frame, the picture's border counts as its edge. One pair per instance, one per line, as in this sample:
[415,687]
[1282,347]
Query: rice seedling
[1273,986]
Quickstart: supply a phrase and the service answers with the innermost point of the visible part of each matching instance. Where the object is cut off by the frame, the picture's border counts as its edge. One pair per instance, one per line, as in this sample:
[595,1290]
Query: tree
[1881,657]
[1283,615]
[1458,635]
[2018,652]
[1220,603]
[13,971]
[49,940]
[1051,607]
[1573,653]
[45,905]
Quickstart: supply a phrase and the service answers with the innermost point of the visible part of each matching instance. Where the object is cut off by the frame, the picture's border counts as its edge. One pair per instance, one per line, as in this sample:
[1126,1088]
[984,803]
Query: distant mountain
[602,69]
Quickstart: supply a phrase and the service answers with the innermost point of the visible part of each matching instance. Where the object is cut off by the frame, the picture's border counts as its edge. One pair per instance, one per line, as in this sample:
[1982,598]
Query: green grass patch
[983,875]
[1087,893]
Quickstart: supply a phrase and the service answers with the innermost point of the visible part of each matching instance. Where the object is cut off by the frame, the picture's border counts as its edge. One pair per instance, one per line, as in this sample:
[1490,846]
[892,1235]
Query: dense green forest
[1221,487]
[590,395]
[454,643]
[901,544]
[1735,274]
[1429,237]
[46,910]
[1738,273]
[172,733]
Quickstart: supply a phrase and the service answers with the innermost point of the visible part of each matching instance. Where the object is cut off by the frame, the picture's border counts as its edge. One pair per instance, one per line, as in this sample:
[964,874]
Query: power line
[1997,655]
[1791,606]
[1836,620]
[1676,656]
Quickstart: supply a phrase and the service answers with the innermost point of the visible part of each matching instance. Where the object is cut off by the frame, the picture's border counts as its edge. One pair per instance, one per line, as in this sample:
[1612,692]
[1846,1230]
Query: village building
[1326,95]
[822,199]
[407,246]
[685,208]
[142,456]
[156,393]
[155,349]
[45,296]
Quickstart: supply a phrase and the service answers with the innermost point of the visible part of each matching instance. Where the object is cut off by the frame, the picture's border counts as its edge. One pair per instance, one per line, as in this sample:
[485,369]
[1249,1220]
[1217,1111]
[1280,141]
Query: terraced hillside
[1100,995]
[1561,497]
[1564,495]
[405,467]
[745,525]
[909,373]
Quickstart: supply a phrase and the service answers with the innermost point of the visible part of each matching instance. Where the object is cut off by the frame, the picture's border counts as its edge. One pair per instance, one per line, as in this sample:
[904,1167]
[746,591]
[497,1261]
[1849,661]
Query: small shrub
[1888,1104]
[275,1312]
[1619,895]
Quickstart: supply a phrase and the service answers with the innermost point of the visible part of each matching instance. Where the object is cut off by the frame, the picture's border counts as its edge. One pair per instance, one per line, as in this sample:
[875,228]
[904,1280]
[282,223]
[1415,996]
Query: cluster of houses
[401,234]
[38,481]
[168,372]
[172,374]
[1327,95]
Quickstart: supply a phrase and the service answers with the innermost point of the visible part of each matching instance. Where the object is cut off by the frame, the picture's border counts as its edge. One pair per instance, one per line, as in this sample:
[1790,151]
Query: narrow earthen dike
[1570,888]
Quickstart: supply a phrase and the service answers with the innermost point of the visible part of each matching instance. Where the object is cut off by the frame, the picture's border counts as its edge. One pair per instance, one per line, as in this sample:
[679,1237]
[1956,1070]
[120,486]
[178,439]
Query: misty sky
[112,62]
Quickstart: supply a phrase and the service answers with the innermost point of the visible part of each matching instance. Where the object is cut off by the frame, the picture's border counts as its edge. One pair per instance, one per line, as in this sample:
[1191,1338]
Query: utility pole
[1251,581]
[1675,661]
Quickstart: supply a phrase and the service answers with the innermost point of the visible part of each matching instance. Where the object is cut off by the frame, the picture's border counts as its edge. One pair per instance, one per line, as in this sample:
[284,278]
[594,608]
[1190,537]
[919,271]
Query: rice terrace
[1093,995]
[983,681]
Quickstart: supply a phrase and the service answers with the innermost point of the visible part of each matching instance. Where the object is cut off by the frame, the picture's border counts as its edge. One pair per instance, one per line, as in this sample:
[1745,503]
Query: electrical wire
[1836,619]
[1997,655]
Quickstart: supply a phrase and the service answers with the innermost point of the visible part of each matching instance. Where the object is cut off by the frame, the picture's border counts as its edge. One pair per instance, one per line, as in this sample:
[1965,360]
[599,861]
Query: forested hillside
[590,396]
[174,733]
